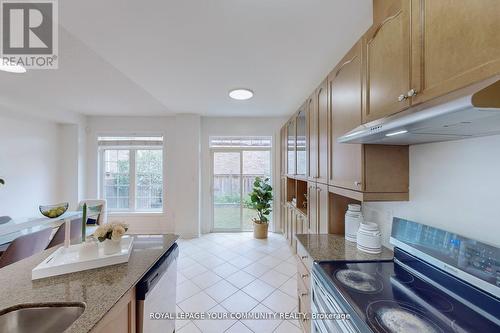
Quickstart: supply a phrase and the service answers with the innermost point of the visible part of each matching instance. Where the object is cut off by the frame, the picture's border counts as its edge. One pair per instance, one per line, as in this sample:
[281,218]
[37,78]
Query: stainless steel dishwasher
[156,295]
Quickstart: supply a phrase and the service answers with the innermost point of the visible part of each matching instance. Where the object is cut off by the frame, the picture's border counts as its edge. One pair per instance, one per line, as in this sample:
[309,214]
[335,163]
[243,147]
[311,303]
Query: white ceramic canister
[353,218]
[369,238]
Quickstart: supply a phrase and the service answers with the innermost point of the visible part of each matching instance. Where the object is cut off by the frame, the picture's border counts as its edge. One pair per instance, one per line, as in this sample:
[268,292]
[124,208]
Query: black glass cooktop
[390,299]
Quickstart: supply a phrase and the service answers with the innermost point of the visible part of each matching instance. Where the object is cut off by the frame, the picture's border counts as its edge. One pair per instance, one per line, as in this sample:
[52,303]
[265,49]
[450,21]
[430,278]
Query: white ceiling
[161,57]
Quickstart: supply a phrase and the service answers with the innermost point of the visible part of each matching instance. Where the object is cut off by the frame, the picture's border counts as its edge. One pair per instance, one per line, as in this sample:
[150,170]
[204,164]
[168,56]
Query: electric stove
[437,282]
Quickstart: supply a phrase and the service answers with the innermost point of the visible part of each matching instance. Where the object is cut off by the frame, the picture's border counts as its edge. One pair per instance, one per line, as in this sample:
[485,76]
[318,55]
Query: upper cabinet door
[322,111]
[345,110]
[312,123]
[301,142]
[291,153]
[455,43]
[283,150]
[386,48]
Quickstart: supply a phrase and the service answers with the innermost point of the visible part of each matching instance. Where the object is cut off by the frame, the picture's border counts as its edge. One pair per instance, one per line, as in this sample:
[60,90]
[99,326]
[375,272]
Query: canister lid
[354,207]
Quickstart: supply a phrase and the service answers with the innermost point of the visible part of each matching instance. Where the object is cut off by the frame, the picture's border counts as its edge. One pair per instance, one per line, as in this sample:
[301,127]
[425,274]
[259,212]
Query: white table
[23,226]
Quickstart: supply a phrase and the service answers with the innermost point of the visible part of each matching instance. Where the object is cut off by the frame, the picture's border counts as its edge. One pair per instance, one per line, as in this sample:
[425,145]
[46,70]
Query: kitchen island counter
[100,289]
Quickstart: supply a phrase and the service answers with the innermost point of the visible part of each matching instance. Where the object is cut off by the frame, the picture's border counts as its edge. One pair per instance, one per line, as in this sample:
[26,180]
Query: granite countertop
[100,289]
[335,247]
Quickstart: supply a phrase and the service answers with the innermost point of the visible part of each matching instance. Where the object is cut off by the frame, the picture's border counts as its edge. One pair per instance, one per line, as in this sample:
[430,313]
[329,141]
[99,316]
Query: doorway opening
[236,162]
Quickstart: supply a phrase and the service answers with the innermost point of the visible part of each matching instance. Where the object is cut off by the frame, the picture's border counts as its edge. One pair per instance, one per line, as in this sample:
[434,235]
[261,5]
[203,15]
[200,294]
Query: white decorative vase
[88,249]
[110,246]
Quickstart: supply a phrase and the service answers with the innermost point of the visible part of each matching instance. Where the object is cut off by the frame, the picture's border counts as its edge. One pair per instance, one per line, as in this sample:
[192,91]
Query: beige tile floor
[233,272]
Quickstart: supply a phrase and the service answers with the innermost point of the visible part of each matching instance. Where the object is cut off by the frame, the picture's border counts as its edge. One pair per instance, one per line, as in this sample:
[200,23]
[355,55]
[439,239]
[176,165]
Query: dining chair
[5,219]
[25,246]
[102,216]
[75,233]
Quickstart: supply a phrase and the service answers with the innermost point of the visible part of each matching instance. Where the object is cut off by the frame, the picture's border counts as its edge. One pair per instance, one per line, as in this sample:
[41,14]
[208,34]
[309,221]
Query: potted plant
[261,199]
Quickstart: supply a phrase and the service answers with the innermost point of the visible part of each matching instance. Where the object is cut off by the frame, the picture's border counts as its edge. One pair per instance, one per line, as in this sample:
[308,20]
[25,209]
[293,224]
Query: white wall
[69,161]
[72,153]
[186,176]
[453,186]
[186,163]
[236,127]
[139,223]
[29,162]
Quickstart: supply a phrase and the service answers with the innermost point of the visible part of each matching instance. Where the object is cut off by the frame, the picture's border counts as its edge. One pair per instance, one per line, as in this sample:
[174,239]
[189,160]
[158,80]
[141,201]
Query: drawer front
[304,296]
[304,256]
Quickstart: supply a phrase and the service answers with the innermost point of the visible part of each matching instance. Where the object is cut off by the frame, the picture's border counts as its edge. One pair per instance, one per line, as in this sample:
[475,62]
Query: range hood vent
[469,112]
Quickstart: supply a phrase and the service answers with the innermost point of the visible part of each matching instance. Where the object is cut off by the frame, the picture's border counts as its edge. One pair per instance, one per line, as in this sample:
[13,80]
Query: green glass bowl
[53,211]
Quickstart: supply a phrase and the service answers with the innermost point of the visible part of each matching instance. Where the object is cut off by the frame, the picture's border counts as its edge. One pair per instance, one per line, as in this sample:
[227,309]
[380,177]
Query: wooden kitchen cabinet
[283,189]
[312,138]
[321,105]
[317,110]
[304,266]
[301,142]
[317,208]
[283,183]
[300,226]
[291,131]
[285,219]
[322,211]
[283,151]
[386,50]
[346,169]
[312,207]
[282,218]
[289,224]
[304,304]
[375,172]
[121,318]
[454,43]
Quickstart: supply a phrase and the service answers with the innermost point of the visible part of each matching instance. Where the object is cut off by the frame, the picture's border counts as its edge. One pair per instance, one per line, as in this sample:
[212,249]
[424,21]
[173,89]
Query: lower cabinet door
[121,318]
[304,299]
[312,207]
[323,211]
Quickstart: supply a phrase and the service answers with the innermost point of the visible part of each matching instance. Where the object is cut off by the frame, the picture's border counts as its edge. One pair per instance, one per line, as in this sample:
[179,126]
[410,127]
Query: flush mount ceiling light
[7,66]
[241,94]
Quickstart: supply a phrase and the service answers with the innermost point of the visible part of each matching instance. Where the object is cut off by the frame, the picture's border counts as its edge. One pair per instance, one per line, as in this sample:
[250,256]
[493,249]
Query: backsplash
[383,218]
[453,186]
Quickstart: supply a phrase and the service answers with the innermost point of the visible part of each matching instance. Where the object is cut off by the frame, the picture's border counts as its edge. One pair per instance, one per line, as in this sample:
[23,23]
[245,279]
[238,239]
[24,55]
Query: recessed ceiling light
[7,66]
[241,94]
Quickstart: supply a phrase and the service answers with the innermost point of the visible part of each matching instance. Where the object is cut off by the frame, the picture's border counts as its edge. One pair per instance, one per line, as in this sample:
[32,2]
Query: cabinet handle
[303,294]
[357,183]
[304,257]
[411,93]
[402,97]
[304,275]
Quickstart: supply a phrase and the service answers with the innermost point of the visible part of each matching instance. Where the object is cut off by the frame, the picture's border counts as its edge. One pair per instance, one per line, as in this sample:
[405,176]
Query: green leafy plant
[261,199]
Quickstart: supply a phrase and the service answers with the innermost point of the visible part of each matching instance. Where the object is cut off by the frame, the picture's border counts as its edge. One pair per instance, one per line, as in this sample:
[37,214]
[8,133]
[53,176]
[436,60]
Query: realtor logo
[29,33]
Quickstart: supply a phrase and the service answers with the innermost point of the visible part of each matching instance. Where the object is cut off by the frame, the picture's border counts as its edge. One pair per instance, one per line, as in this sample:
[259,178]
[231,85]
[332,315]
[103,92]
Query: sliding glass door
[234,171]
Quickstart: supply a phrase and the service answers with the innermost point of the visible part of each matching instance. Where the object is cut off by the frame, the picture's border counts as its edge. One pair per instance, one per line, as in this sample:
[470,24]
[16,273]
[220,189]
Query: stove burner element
[358,280]
[434,299]
[402,275]
[395,317]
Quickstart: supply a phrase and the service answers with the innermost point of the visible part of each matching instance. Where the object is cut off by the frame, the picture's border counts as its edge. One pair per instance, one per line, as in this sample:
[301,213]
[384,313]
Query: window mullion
[132,187]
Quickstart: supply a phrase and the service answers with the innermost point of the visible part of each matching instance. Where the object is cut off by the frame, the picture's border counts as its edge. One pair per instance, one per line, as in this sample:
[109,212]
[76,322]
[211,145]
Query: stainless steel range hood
[470,112]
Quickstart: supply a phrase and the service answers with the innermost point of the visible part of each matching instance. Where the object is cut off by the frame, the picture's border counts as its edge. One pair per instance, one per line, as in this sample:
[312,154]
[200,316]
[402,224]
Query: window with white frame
[131,173]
